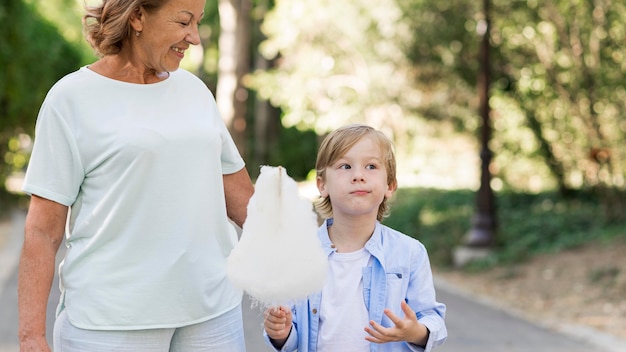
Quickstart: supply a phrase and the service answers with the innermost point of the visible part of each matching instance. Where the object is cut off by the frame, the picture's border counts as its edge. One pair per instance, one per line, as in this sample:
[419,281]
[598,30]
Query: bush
[528,224]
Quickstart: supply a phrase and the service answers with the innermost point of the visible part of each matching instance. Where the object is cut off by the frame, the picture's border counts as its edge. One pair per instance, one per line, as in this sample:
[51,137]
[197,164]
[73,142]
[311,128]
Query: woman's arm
[43,234]
[238,189]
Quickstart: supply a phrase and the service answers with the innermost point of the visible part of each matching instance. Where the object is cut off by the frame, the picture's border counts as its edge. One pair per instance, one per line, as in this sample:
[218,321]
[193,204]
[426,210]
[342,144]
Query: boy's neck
[349,235]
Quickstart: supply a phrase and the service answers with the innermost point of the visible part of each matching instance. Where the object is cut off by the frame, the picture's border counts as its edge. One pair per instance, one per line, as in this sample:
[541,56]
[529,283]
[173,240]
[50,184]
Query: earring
[137,33]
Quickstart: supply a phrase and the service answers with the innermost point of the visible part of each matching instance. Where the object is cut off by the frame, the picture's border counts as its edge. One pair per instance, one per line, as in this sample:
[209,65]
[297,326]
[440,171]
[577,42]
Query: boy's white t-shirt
[343,314]
[141,167]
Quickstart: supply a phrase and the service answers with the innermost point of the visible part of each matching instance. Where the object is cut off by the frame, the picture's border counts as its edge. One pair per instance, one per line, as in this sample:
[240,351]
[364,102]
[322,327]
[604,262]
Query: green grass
[528,224]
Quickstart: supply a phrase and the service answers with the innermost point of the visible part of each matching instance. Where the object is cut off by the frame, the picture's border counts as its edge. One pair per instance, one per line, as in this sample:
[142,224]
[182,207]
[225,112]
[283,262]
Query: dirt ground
[583,286]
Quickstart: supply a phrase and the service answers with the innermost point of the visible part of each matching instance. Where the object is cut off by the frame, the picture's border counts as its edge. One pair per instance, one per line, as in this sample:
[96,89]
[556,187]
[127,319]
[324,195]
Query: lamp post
[482,233]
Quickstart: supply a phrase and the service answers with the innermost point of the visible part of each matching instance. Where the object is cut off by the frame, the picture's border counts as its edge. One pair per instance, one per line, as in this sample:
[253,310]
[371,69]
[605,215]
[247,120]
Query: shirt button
[314,311]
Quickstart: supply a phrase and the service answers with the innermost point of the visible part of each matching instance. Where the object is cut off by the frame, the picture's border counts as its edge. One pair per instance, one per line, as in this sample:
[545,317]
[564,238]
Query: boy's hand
[277,324]
[405,329]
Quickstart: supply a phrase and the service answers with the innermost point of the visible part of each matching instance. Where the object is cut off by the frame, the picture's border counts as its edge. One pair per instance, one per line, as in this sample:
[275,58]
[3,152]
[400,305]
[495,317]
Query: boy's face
[357,182]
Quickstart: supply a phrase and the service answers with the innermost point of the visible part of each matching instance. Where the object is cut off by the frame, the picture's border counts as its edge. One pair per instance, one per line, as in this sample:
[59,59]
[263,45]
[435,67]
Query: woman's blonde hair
[337,144]
[106,26]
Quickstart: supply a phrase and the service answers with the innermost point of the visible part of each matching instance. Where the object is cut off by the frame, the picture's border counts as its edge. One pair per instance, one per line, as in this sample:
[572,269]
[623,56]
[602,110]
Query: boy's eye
[345,166]
[371,167]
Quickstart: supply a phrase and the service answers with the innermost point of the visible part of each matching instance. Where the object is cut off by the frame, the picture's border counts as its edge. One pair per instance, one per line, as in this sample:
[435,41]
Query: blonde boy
[379,295]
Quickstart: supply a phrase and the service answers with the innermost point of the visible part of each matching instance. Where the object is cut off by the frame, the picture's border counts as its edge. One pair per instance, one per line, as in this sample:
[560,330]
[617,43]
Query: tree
[234,63]
[344,61]
[410,68]
[562,70]
[328,71]
[33,55]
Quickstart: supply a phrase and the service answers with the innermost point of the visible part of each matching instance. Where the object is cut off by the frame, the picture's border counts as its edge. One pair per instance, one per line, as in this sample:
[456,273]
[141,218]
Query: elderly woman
[134,166]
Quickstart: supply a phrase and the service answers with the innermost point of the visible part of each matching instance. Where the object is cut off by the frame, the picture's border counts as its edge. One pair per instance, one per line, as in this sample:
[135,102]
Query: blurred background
[508,116]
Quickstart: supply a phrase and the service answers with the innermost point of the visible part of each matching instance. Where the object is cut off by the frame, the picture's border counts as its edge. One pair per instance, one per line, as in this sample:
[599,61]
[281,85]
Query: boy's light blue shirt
[400,270]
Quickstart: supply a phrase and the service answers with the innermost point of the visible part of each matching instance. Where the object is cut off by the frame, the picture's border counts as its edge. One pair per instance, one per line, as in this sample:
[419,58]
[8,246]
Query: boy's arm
[279,343]
[423,326]
[421,296]
[278,326]
[407,329]
[289,344]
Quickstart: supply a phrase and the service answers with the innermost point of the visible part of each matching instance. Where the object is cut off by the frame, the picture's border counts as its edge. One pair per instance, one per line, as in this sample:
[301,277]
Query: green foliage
[557,67]
[66,15]
[438,218]
[529,224]
[33,56]
[296,151]
[444,55]
[338,62]
[560,67]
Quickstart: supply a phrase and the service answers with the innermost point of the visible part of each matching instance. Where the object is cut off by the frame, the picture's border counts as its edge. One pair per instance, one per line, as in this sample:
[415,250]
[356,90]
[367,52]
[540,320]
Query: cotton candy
[279,258]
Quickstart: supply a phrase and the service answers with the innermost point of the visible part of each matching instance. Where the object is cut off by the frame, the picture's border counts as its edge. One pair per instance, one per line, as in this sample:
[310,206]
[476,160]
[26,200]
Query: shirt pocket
[396,288]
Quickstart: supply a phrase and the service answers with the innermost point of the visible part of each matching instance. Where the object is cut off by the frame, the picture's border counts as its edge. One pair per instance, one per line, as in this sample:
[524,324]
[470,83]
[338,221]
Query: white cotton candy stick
[279,258]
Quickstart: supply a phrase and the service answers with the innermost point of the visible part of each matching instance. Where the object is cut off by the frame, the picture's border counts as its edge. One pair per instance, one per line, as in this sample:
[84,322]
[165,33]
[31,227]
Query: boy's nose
[357,177]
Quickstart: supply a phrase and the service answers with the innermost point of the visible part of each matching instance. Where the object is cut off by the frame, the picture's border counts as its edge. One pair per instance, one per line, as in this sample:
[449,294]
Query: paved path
[473,326]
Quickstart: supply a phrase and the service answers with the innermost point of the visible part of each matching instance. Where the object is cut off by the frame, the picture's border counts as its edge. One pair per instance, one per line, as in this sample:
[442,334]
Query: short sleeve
[55,170]
[231,158]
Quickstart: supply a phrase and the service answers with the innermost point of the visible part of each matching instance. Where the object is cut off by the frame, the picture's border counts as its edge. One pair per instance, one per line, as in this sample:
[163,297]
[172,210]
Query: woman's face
[167,33]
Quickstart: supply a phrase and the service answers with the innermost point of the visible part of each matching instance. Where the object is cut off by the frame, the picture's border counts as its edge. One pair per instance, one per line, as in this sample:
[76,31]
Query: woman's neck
[116,66]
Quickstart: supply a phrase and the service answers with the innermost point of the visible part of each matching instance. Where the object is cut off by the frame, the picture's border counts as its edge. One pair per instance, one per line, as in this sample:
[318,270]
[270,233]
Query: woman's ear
[136,19]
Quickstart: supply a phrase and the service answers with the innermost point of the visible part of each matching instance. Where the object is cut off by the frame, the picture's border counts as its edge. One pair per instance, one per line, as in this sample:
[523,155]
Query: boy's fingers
[408,311]
[394,318]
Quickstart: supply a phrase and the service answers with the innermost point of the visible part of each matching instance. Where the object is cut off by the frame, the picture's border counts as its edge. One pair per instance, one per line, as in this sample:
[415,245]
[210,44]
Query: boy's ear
[391,189]
[321,186]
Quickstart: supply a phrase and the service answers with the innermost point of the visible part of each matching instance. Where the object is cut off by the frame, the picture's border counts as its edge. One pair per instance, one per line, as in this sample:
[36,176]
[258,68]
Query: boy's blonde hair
[337,144]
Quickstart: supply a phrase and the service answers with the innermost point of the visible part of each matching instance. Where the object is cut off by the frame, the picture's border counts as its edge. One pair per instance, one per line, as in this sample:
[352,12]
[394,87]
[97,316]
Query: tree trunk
[234,44]
[484,224]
